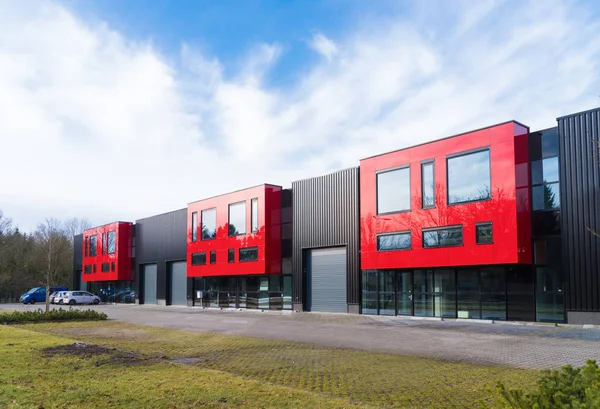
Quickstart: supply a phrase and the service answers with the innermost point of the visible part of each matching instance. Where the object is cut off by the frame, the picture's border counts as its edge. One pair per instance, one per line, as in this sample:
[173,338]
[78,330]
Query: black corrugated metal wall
[326,214]
[159,239]
[579,145]
[77,261]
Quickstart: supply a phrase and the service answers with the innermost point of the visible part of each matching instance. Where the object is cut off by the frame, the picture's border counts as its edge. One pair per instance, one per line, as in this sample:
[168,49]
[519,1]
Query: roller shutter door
[149,284]
[327,279]
[178,283]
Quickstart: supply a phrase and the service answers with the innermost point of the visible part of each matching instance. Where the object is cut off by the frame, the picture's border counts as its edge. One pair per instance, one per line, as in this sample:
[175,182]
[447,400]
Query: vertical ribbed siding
[580,208]
[160,239]
[326,214]
[77,260]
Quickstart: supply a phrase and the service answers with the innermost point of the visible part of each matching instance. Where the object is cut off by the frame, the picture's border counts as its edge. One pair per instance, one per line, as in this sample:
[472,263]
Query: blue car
[38,294]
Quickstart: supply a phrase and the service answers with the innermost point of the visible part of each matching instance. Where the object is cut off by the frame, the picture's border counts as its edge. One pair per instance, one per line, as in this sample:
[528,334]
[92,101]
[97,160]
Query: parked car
[79,297]
[38,294]
[58,299]
[53,296]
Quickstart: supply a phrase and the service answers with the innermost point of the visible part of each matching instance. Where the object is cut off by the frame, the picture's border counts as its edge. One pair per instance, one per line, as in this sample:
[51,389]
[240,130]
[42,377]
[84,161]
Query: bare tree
[75,226]
[54,252]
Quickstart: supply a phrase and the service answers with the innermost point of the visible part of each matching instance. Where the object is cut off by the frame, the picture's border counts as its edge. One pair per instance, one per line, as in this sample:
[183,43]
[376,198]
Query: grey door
[149,283]
[178,283]
[327,280]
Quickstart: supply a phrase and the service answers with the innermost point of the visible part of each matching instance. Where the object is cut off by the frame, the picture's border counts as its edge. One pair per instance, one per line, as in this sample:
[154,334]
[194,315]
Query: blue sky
[121,109]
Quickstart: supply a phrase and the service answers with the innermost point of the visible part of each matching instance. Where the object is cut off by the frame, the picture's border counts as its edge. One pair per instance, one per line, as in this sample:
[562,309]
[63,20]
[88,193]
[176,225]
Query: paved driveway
[527,346]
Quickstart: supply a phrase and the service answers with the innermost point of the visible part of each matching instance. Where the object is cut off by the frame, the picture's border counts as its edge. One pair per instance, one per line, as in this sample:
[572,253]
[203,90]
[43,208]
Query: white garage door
[149,283]
[327,278]
[178,283]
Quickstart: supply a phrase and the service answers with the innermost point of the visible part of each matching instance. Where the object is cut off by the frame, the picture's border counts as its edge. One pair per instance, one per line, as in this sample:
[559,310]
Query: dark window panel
[198,259]
[469,177]
[88,269]
[231,255]
[398,241]
[393,191]
[105,267]
[546,197]
[248,254]
[213,257]
[483,233]
[550,143]
[93,246]
[546,223]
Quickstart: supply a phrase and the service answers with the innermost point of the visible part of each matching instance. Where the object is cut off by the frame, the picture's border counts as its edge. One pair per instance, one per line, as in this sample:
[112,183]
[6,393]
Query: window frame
[253,217]
[466,153]
[423,164]
[438,229]
[482,224]
[94,246]
[113,233]
[543,185]
[194,227]
[388,170]
[200,253]
[229,218]
[247,248]
[202,224]
[395,233]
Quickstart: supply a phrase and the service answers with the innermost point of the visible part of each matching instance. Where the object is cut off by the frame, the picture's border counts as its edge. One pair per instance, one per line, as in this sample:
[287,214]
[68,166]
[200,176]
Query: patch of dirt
[107,332]
[103,355]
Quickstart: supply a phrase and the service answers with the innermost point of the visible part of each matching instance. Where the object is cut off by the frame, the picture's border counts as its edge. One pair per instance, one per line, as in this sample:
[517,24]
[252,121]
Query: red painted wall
[510,221]
[267,239]
[121,257]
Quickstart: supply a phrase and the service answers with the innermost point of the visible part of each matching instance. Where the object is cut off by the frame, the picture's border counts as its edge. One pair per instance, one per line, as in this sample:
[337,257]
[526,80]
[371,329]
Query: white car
[79,297]
[58,298]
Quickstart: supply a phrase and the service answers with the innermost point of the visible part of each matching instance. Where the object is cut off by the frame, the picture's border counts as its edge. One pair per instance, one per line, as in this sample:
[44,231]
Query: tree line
[38,259]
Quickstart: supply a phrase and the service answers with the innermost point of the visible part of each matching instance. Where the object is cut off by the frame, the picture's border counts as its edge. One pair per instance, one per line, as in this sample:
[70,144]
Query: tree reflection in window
[469,177]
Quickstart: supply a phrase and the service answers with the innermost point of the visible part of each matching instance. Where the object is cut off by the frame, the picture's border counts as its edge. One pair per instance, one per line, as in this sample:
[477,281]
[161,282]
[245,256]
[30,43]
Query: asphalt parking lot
[514,345]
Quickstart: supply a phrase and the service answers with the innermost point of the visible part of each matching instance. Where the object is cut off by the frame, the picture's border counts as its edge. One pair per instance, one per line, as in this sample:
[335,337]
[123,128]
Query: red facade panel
[107,253]
[507,210]
[266,239]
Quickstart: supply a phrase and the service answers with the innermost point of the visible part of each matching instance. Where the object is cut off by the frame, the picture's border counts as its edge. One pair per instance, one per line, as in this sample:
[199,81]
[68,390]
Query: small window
[231,256]
[209,224]
[427,185]
[445,237]
[93,245]
[103,243]
[213,257]
[105,267]
[483,233]
[395,241]
[88,269]
[237,219]
[254,215]
[94,268]
[195,226]
[112,242]
[198,259]
[248,254]
[112,266]
[86,247]
[393,191]
[469,177]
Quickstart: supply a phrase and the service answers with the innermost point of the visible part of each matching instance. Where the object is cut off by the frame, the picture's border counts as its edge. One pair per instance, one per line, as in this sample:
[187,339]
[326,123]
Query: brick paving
[512,345]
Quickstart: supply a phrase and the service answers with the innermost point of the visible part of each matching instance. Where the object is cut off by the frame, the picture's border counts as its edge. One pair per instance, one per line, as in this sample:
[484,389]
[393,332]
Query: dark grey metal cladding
[77,260]
[286,231]
[159,239]
[579,145]
[326,214]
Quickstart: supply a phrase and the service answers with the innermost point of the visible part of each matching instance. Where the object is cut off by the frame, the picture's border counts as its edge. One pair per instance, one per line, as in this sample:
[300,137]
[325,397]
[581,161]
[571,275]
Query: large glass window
[209,224]
[549,280]
[444,237]
[545,189]
[237,218]
[93,245]
[103,243]
[393,190]
[112,242]
[369,292]
[254,216]
[248,254]
[194,226]
[387,292]
[469,177]
[427,185]
[394,241]
[445,293]
[404,293]
[546,196]
[423,293]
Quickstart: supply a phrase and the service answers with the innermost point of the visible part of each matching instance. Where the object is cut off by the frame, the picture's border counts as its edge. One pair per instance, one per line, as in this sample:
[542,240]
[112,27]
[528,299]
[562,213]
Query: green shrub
[18,317]
[567,388]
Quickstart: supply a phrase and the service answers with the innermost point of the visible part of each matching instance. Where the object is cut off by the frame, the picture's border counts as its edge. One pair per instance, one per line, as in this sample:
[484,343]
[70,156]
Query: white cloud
[323,46]
[94,124]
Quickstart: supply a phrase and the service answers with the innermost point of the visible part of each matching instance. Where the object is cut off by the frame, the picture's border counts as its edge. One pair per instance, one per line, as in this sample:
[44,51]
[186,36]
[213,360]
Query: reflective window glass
[213,257]
[209,224]
[550,143]
[550,169]
[254,215]
[398,241]
[427,185]
[230,255]
[198,259]
[386,292]
[369,292]
[112,242]
[423,281]
[237,218]
[194,226]
[469,177]
[483,233]
[546,197]
[248,254]
[393,191]
[451,236]
[444,280]
[93,246]
[537,174]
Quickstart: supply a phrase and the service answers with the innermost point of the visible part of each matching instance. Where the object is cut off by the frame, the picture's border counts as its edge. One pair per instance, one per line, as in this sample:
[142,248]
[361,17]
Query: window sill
[393,212]
[468,201]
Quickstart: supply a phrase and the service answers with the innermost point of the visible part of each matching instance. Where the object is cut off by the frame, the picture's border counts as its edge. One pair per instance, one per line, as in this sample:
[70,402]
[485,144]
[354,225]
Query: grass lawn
[355,376]
[46,371]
